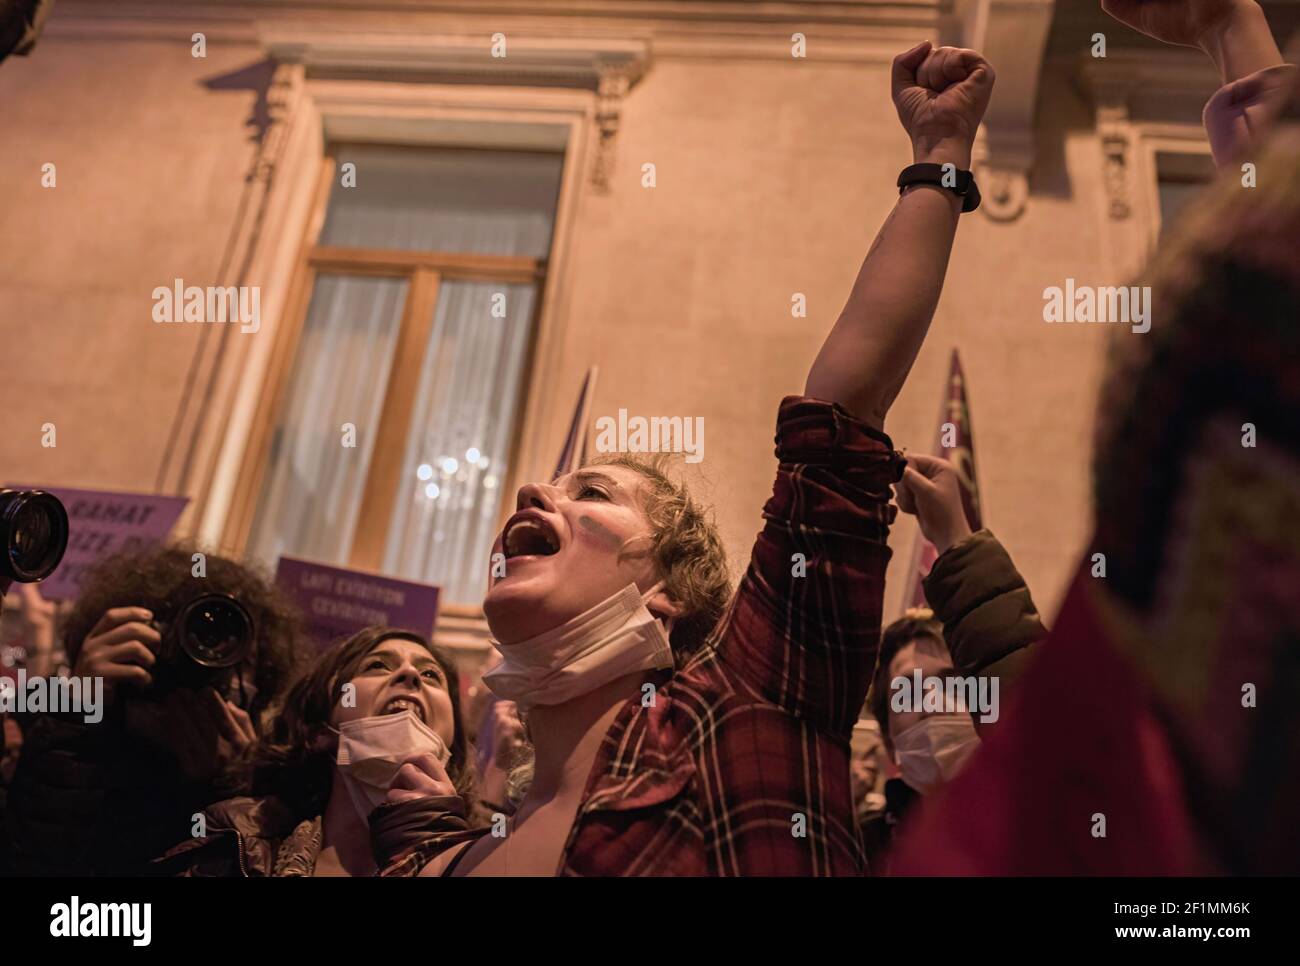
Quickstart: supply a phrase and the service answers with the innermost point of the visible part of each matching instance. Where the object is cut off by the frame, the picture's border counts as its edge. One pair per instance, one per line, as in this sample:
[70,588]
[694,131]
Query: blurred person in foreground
[21,22]
[104,798]
[1158,730]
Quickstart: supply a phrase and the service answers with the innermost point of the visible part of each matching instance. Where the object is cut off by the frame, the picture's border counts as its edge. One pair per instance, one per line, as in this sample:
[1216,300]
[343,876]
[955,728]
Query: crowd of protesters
[649,716]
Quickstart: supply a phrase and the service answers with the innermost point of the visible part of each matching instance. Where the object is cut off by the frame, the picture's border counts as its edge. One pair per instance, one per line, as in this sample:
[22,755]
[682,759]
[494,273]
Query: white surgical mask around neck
[618,636]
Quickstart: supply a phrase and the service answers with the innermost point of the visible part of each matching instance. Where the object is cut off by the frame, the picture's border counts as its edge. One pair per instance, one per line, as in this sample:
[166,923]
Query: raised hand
[1186,22]
[421,776]
[941,95]
[930,490]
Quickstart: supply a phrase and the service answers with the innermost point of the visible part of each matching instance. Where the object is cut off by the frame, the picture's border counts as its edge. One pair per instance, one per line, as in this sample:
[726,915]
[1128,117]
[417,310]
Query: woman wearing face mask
[926,749]
[983,626]
[675,734]
[372,731]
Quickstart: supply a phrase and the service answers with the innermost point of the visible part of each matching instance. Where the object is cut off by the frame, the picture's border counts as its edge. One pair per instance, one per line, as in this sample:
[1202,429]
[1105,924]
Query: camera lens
[216,631]
[33,534]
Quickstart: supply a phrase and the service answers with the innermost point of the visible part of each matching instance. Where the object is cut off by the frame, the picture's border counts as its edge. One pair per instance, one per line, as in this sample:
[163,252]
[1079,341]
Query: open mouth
[529,536]
[398,705]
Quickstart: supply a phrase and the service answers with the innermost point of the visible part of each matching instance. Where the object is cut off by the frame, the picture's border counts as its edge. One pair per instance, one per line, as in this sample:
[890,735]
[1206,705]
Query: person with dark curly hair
[105,798]
[369,742]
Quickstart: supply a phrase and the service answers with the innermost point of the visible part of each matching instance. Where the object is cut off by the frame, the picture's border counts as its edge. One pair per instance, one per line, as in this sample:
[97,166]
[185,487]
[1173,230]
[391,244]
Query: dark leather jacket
[254,837]
[248,837]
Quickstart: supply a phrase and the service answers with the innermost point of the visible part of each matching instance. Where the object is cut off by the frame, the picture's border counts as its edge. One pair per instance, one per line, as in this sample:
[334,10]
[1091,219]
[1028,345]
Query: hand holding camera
[181,663]
[120,648]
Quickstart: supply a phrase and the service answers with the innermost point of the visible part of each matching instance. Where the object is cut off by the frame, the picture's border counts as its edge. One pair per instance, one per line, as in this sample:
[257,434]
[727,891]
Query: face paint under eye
[608,537]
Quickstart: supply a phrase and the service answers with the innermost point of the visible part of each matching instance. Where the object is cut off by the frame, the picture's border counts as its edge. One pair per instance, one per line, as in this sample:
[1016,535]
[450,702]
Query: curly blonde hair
[686,549]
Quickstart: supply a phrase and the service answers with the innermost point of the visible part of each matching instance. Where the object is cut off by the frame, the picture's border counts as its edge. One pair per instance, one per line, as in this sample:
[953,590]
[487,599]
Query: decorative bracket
[1117,157]
[1129,88]
[286,82]
[1012,34]
[615,80]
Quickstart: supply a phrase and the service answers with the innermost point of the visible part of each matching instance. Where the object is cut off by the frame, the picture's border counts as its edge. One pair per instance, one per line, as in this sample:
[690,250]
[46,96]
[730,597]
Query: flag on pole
[574,453]
[956,444]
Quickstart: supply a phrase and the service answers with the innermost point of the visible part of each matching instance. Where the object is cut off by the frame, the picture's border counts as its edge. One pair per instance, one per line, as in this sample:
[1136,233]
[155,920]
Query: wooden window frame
[1153,141]
[315,113]
[424,272]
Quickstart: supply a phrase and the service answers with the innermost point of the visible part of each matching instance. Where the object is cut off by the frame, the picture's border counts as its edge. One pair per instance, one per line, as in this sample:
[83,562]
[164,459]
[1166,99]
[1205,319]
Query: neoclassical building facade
[449,213]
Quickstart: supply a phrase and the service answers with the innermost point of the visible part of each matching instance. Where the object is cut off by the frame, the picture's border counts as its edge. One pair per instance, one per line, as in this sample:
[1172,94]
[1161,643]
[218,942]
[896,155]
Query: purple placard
[336,602]
[101,522]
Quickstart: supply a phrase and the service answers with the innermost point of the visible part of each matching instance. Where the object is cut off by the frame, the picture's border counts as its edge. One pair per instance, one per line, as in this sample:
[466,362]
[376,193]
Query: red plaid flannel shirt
[747,745]
[741,765]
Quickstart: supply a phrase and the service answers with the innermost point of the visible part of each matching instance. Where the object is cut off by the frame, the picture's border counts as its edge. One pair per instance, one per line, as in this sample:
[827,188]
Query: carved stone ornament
[1004,192]
[1117,155]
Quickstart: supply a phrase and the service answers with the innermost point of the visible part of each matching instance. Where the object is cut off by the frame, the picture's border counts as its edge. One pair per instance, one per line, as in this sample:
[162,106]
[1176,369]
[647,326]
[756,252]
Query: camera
[204,643]
[33,535]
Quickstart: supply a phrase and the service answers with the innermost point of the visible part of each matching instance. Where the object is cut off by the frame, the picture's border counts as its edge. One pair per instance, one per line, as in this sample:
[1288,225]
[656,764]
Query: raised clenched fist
[941,95]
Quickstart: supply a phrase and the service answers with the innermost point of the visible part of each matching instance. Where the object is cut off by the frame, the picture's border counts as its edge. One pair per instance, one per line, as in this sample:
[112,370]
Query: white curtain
[457,451]
[312,489]
[480,202]
[458,444]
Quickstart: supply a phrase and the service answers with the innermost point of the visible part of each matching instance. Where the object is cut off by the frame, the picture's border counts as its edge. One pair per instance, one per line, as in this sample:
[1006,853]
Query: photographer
[189,665]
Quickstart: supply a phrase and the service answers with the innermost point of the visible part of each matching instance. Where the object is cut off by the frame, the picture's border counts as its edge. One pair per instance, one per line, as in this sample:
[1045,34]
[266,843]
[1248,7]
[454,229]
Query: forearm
[1242,44]
[869,352]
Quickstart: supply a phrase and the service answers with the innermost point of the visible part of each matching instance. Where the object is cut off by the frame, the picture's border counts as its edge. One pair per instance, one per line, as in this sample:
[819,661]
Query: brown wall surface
[772,178]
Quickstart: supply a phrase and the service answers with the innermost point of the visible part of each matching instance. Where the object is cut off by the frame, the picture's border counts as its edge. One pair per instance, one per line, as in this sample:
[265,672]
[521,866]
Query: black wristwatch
[963,182]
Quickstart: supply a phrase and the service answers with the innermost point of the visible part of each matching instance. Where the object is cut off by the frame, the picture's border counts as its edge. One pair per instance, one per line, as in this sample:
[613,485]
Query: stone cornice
[576,62]
[849,32]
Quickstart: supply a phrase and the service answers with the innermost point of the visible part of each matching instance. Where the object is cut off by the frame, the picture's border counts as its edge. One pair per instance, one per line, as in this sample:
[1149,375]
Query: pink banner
[100,523]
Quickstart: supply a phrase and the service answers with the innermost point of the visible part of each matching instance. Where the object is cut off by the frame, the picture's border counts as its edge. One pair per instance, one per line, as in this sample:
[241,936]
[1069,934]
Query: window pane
[439,199]
[313,484]
[1180,176]
[445,515]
